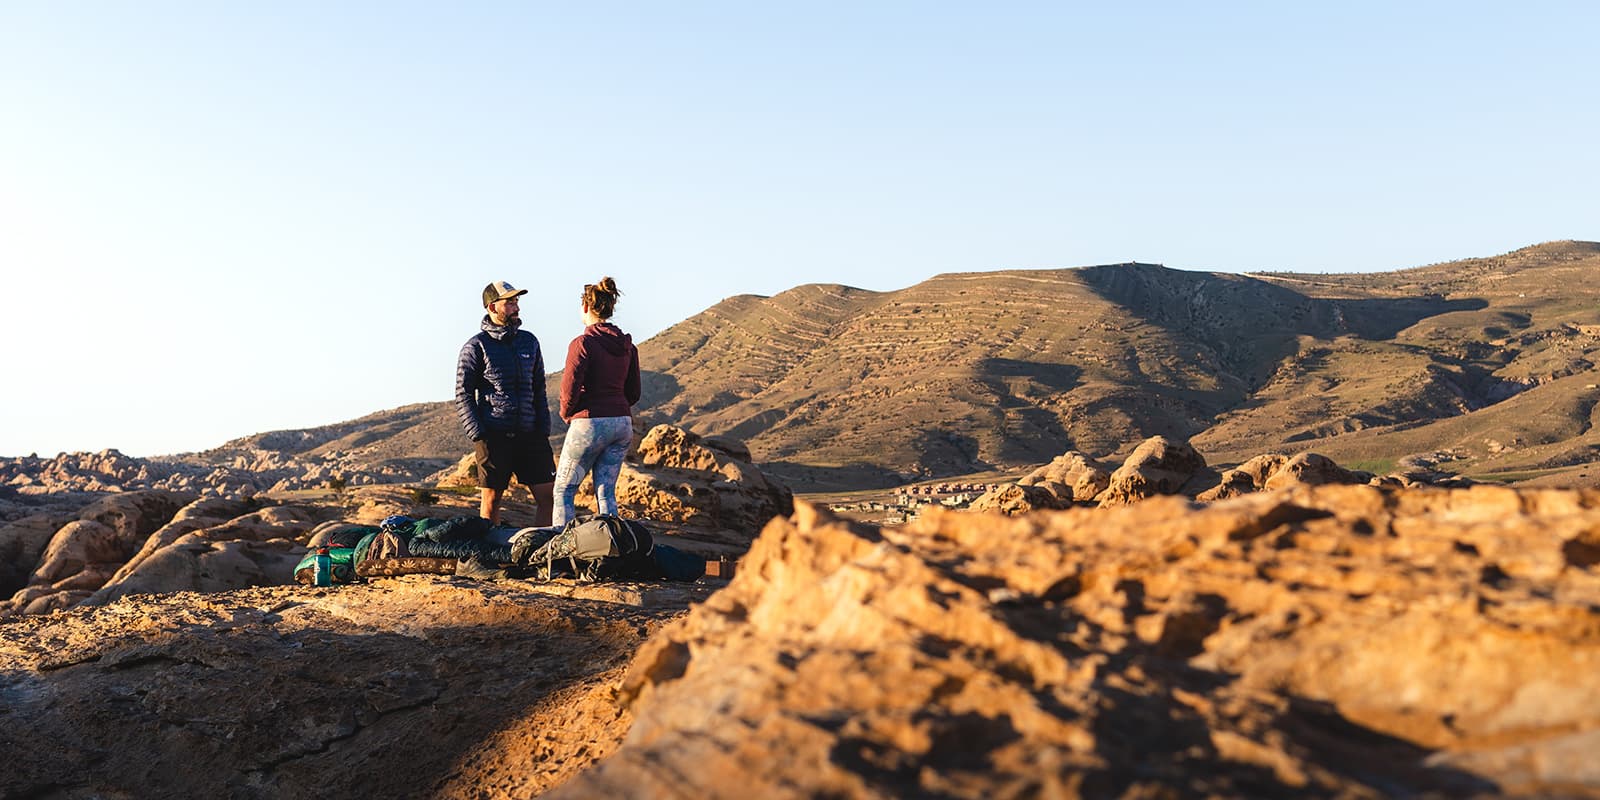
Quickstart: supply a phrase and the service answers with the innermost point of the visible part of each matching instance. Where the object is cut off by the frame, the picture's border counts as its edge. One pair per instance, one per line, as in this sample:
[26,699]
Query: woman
[599,386]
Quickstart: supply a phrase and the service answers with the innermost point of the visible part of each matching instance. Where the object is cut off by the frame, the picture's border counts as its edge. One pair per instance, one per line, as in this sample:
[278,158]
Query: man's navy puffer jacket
[500,383]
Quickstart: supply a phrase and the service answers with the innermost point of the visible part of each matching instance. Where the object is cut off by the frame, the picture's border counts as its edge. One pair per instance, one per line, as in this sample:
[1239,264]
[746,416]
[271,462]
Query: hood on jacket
[610,337]
[499,332]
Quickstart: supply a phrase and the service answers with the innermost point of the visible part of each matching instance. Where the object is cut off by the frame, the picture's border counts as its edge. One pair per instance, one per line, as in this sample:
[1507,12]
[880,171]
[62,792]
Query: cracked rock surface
[1333,641]
[411,687]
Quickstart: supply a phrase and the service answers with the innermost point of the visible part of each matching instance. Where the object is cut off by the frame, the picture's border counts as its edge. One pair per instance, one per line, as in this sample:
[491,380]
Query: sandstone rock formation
[239,474]
[1157,466]
[1161,467]
[1312,469]
[192,517]
[1012,499]
[22,542]
[1319,641]
[145,542]
[255,549]
[707,486]
[84,553]
[1072,477]
[407,687]
[1277,471]
[1323,641]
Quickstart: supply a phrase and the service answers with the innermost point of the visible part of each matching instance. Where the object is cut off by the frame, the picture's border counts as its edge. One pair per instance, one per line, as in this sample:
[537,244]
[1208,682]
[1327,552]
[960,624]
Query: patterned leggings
[597,444]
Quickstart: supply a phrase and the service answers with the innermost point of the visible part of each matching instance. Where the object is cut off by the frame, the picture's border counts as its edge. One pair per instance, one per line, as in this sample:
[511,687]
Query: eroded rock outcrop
[156,541]
[1012,499]
[22,542]
[708,486]
[1319,641]
[1158,466]
[413,687]
[85,552]
[1276,471]
[1071,477]
[235,474]
[199,514]
[255,549]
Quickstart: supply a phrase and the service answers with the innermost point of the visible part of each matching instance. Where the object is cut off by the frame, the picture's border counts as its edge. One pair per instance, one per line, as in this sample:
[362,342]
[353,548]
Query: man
[500,399]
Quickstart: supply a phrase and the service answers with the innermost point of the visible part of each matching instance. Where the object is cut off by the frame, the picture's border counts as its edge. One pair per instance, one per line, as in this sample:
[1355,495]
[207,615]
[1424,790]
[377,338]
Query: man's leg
[489,505]
[494,478]
[542,495]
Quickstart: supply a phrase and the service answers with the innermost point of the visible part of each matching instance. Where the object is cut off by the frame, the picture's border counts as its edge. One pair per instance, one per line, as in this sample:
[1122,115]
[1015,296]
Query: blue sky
[224,218]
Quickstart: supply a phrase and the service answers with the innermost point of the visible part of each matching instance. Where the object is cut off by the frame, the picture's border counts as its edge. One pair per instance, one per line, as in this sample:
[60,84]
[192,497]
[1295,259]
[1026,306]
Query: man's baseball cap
[500,290]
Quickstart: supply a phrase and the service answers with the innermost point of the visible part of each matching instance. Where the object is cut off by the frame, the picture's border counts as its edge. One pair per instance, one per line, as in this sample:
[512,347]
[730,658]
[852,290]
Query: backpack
[587,542]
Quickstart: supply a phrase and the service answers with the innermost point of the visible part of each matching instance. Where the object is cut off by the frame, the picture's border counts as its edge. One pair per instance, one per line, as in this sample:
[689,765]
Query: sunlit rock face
[1322,640]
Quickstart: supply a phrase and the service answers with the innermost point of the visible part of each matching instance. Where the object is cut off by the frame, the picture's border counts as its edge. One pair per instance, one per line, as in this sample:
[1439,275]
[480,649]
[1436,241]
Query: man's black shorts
[527,456]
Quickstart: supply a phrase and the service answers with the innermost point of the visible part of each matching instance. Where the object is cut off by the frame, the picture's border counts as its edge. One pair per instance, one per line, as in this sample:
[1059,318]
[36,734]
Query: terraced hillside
[1505,384]
[1489,359]
[968,370]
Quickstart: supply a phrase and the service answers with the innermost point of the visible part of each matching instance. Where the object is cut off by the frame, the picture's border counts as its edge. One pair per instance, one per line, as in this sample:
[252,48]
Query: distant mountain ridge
[971,371]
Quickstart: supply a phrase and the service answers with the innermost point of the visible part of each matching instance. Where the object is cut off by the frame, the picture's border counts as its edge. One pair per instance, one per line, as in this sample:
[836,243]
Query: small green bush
[1376,466]
[423,497]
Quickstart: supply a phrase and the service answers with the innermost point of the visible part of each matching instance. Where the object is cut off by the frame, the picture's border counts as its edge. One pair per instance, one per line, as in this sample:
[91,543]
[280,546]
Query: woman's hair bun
[601,298]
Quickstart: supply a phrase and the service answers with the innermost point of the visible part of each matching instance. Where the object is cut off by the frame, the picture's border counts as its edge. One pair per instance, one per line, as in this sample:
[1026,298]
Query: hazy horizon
[224,220]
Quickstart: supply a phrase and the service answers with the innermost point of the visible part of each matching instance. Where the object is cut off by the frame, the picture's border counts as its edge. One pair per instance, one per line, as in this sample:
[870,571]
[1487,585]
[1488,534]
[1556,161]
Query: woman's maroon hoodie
[601,378]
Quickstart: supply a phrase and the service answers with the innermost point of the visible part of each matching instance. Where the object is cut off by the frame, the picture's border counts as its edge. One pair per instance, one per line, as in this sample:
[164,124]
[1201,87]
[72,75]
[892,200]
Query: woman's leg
[575,457]
[617,434]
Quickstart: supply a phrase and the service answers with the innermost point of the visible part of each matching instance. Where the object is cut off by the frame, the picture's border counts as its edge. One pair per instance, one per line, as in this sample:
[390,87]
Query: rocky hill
[837,387]
[966,372]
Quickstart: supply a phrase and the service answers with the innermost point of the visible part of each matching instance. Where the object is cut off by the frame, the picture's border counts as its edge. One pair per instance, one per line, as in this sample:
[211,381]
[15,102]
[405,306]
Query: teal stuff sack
[344,566]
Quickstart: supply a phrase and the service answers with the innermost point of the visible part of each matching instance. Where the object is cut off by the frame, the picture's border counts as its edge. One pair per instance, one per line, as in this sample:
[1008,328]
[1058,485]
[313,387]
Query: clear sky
[219,218]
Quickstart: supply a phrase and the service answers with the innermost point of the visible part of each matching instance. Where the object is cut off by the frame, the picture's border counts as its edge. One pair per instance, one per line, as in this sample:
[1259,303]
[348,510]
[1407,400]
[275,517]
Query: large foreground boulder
[1332,641]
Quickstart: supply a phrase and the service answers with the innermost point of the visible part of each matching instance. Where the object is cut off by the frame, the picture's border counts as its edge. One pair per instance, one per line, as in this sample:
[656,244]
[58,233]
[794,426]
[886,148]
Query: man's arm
[541,401]
[469,374]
